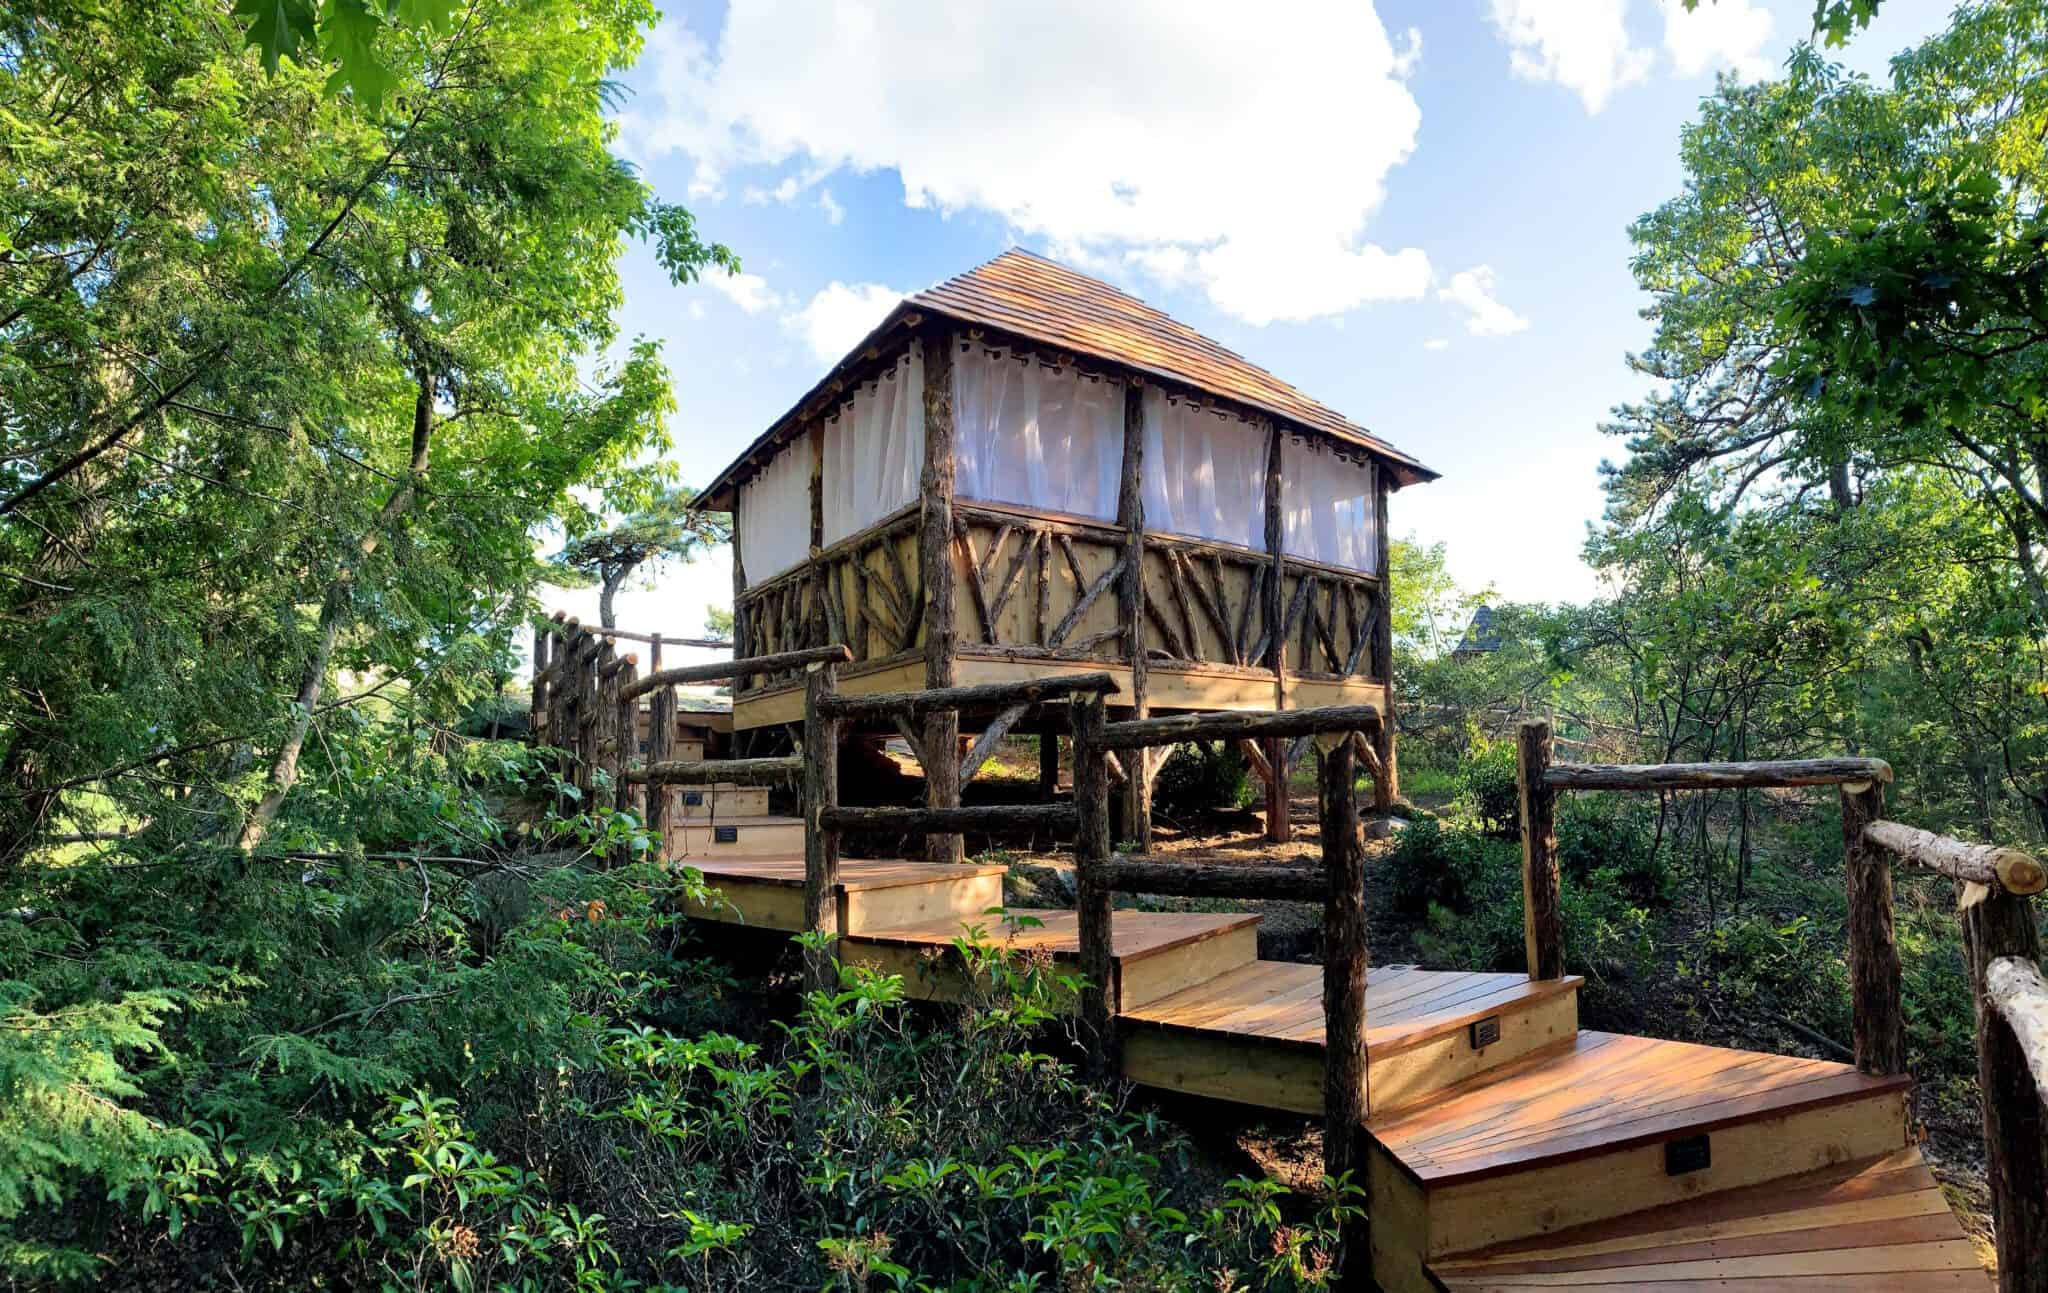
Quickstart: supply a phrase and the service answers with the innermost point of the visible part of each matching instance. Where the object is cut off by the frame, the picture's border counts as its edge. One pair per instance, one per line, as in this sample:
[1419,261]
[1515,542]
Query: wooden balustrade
[2000,937]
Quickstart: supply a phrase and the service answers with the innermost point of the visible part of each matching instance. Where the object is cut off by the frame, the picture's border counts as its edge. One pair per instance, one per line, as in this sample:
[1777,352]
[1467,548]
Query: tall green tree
[660,528]
[289,375]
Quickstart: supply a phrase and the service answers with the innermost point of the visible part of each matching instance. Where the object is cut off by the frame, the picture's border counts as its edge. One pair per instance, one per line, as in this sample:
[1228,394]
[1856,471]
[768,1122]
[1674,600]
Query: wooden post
[1877,1009]
[1130,609]
[1344,970]
[623,712]
[1997,924]
[1048,766]
[590,721]
[661,748]
[1091,852]
[1542,921]
[536,717]
[935,555]
[821,846]
[1386,782]
[1279,829]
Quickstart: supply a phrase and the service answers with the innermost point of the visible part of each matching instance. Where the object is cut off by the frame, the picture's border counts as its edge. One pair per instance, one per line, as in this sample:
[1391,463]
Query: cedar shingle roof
[1041,300]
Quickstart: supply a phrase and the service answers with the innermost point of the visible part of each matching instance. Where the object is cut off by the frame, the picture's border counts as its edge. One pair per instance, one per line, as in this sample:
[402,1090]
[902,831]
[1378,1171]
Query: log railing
[1339,882]
[586,703]
[2000,937]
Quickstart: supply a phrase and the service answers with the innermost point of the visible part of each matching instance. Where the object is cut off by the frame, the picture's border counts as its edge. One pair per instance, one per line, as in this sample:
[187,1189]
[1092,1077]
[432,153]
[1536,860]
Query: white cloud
[750,292]
[834,213]
[1437,343]
[840,315]
[696,309]
[1472,290]
[1582,45]
[1093,126]
[1718,34]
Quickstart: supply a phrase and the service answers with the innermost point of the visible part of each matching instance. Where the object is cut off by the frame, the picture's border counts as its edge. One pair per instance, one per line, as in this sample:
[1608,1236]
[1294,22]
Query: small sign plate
[725,835]
[1690,1154]
[1485,1032]
[693,798]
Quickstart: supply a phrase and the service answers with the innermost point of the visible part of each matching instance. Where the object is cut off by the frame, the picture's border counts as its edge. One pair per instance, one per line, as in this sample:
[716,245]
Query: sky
[1416,212]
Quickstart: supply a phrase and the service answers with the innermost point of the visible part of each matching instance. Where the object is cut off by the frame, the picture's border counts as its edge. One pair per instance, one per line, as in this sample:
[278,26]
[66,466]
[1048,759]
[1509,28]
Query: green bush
[1201,777]
[1434,865]
[1611,842]
[1492,790]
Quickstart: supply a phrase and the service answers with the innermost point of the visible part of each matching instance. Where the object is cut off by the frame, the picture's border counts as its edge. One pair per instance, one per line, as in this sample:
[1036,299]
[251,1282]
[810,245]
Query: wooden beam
[1099,995]
[1132,604]
[1996,926]
[963,543]
[1986,864]
[1027,543]
[2019,995]
[1345,1097]
[991,736]
[1715,776]
[1185,878]
[720,670]
[661,739]
[1876,1005]
[1386,789]
[697,772]
[1225,725]
[1542,918]
[977,817]
[917,704]
[821,838]
[941,725]
[1086,600]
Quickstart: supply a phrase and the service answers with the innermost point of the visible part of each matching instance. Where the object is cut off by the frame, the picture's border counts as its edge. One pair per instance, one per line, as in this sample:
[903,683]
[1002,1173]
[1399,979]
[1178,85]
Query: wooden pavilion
[1024,472]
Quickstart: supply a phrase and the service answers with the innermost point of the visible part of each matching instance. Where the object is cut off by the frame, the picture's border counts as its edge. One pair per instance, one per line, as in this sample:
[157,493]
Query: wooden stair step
[1604,1125]
[1255,1034]
[1878,1223]
[1155,953]
[768,893]
[691,840]
[721,801]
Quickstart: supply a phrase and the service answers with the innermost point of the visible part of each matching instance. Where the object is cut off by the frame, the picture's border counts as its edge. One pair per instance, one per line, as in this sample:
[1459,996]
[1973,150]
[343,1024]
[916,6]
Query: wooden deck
[1877,1224]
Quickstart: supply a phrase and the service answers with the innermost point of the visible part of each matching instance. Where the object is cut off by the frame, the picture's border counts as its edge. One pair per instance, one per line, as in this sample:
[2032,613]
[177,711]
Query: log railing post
[537,707]
[935,555]
[1130,605]
[1092,902]
[1279,830]
[821,844]
[1998,924]
[1542,921]
[624,740]
[661,748]
[1386,782]
[1344,972]
[1877,1008]
[590,728]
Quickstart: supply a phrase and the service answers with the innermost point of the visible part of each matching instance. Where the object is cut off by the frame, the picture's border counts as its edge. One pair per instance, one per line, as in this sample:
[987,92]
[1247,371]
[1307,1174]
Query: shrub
[1201,777]
[1610,843]
[1434,865]
[1492,789]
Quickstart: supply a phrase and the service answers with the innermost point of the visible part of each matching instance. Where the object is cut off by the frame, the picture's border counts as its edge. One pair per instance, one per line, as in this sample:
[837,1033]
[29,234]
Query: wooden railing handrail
[1230,725]
[1990,865]
[995,695]
[2014,988]
[1716,776]
[1202,879]
[722,670]
[739,772]
[949,821]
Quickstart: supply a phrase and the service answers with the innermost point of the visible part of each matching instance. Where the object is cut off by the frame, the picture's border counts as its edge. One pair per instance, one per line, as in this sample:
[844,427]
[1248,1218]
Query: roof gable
[1041,300]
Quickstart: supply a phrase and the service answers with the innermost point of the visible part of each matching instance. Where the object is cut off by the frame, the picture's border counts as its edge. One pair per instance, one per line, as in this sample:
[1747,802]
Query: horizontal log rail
[2014,988]
[1238,725]
[722,670]
[1990,865]
[1715,776]
[739,772]
[950,821]
[999,695]
[1203,879]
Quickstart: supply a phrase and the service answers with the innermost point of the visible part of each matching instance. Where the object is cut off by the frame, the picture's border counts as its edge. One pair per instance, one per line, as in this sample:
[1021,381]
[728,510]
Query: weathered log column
[1998,924]
[1279,829]
[821,845]
[935,557]
[1092,903]
[1048,766]
[661,748]
[1542,921]
[537,706]
[623,713]
[1877,1008]
[1130,609]
[1344,971]
[1386,781]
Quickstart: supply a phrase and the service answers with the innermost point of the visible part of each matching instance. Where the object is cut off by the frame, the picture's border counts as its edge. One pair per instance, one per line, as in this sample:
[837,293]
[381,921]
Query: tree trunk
[613,580]
[284,768]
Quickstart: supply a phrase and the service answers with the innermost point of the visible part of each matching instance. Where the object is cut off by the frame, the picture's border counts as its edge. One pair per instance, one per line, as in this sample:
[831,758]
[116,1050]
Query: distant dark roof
[1481,637]
[1041,300]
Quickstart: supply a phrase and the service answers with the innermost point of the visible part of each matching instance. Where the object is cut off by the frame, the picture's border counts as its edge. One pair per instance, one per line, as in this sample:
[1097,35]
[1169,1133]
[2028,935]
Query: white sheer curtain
[1329,507]
[874,449]
[1035,435]
[775,513]
[1205,472]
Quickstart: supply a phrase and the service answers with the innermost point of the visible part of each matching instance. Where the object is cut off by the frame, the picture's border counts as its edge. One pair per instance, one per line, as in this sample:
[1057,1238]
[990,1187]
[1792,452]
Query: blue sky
[1416,212]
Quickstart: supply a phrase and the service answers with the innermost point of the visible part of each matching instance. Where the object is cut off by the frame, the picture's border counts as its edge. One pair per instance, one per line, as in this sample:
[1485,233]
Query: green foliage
[1201,777]
[658,525]
[1491,786]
